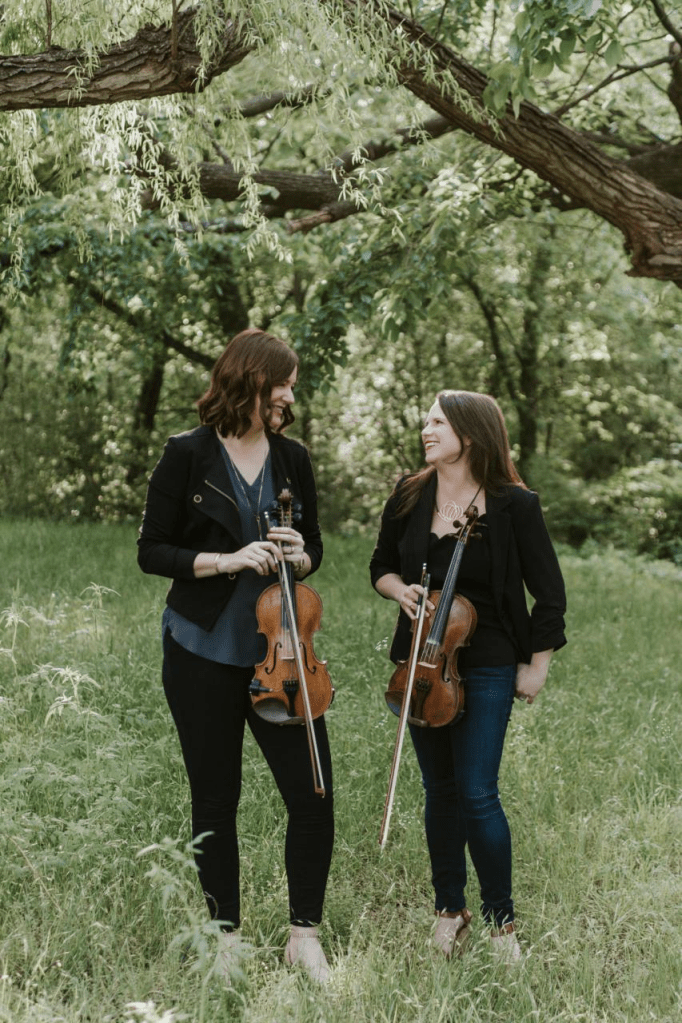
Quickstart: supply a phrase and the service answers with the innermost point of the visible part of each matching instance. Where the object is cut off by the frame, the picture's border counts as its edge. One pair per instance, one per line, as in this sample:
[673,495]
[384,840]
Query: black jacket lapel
[214,493]
[499,524]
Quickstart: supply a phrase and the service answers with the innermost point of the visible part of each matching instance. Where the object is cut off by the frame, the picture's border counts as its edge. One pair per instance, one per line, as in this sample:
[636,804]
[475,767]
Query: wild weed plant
[101,914]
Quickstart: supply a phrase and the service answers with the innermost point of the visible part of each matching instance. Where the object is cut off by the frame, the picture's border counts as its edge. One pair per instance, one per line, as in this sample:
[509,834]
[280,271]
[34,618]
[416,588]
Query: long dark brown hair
[478,418]
[251,365]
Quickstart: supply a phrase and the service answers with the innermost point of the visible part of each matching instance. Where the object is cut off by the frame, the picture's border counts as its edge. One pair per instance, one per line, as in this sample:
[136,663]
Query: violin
[438,692]
[291,686]
[427,690]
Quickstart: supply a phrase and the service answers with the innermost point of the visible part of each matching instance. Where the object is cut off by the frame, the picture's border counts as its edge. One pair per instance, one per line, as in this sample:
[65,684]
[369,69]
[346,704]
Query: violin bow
[318,780]
[405,709]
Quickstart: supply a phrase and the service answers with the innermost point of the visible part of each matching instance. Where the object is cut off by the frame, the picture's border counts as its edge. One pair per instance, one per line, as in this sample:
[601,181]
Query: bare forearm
[530,678]
[391,586]
[206,565]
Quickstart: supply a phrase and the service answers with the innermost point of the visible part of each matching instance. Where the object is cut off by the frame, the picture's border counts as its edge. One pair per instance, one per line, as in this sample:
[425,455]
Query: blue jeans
[460,765]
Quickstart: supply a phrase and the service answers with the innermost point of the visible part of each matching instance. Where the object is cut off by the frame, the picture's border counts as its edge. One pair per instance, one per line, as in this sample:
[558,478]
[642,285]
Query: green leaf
[514,49]
[522,22]
[544,64]
[614,53]
[593,42]
[567,45]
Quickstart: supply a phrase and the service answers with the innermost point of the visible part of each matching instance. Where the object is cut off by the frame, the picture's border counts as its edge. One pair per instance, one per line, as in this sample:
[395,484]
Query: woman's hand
[261,556]
[293,546]
[410,598]
[530,678]
[392,586]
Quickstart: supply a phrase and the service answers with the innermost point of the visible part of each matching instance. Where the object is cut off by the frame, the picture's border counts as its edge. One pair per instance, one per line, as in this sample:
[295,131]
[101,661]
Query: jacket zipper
[222,493]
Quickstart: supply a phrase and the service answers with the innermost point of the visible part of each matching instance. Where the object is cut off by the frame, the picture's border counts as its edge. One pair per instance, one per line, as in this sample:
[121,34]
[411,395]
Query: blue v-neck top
[234,638]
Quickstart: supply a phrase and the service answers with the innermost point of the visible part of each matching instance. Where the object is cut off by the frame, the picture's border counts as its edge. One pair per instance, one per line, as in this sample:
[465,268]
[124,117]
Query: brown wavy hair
[478,418]
[243,376]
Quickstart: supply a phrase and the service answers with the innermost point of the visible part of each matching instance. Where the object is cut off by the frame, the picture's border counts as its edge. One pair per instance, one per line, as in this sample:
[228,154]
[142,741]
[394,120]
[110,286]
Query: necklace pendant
[450,512]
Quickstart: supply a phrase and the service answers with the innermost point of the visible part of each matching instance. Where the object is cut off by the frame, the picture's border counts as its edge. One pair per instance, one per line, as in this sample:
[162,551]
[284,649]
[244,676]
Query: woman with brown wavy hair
[204,528]
[469,464]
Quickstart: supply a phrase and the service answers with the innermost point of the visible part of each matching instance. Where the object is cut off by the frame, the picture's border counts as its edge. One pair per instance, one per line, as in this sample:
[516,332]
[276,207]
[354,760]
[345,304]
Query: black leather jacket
[191,507]
[521,554]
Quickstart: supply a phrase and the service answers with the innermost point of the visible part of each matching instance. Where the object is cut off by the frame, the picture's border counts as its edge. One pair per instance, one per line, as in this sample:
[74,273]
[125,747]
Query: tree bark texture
[650,219]
[137,69]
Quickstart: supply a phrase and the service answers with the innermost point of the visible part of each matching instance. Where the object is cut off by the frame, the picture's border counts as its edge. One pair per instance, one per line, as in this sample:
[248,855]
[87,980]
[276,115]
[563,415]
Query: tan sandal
[304,949]
[452,931]
[505,945]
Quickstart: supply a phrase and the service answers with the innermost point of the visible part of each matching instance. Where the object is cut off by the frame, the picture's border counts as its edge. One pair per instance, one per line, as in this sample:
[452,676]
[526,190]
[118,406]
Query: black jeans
[210,704]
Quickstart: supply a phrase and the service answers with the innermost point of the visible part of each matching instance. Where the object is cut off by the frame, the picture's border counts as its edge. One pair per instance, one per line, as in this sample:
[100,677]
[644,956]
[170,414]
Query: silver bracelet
[215,562]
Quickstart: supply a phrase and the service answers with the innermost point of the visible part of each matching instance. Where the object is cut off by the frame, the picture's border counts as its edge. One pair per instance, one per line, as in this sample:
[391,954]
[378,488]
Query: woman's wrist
[392,587]
[223,563]
[302,567]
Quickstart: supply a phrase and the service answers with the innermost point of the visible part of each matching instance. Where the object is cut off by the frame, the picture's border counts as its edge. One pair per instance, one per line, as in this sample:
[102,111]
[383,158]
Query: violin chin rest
[394,701]
[275,712]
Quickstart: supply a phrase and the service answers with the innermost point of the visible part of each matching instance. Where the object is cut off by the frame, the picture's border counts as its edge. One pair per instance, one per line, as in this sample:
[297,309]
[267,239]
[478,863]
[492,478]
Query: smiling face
[281,397]
[441,443]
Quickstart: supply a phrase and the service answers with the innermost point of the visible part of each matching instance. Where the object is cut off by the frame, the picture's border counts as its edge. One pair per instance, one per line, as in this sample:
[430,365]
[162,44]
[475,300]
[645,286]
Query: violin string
[441,615]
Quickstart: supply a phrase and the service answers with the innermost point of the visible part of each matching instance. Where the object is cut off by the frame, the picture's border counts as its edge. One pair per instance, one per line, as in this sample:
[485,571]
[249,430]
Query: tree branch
[164,336]
[609,80]
[666,22]
[489,311]
[650,219]
[674,89]
[139,68]
[263,104]
[320,192]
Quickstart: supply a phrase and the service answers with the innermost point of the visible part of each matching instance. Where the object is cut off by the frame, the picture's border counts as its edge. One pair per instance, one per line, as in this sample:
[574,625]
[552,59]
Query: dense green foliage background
[584,361]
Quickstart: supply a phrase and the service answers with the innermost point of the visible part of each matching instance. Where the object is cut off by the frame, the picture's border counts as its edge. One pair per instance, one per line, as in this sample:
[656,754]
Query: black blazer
[521,553]
[191,507]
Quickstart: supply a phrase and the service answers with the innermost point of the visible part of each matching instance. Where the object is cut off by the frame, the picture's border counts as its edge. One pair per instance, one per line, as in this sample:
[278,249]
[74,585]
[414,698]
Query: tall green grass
[101,917]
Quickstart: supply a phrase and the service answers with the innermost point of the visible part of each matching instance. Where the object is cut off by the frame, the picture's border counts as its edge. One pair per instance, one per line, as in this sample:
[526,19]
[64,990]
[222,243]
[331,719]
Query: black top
[490,645]
[191,507]
[521,555]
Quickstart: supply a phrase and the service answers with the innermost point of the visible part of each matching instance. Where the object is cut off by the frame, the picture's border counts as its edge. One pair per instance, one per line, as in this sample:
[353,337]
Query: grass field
[101,917]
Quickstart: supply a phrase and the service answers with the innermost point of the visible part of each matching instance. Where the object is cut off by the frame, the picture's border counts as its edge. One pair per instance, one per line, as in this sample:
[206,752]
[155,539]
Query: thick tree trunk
[156,62]
[145,415]
[662,166]
[528,355]
[650,219]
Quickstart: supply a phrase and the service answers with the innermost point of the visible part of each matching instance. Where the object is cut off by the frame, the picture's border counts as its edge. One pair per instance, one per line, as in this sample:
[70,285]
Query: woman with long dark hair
[204,528]
[469,465]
